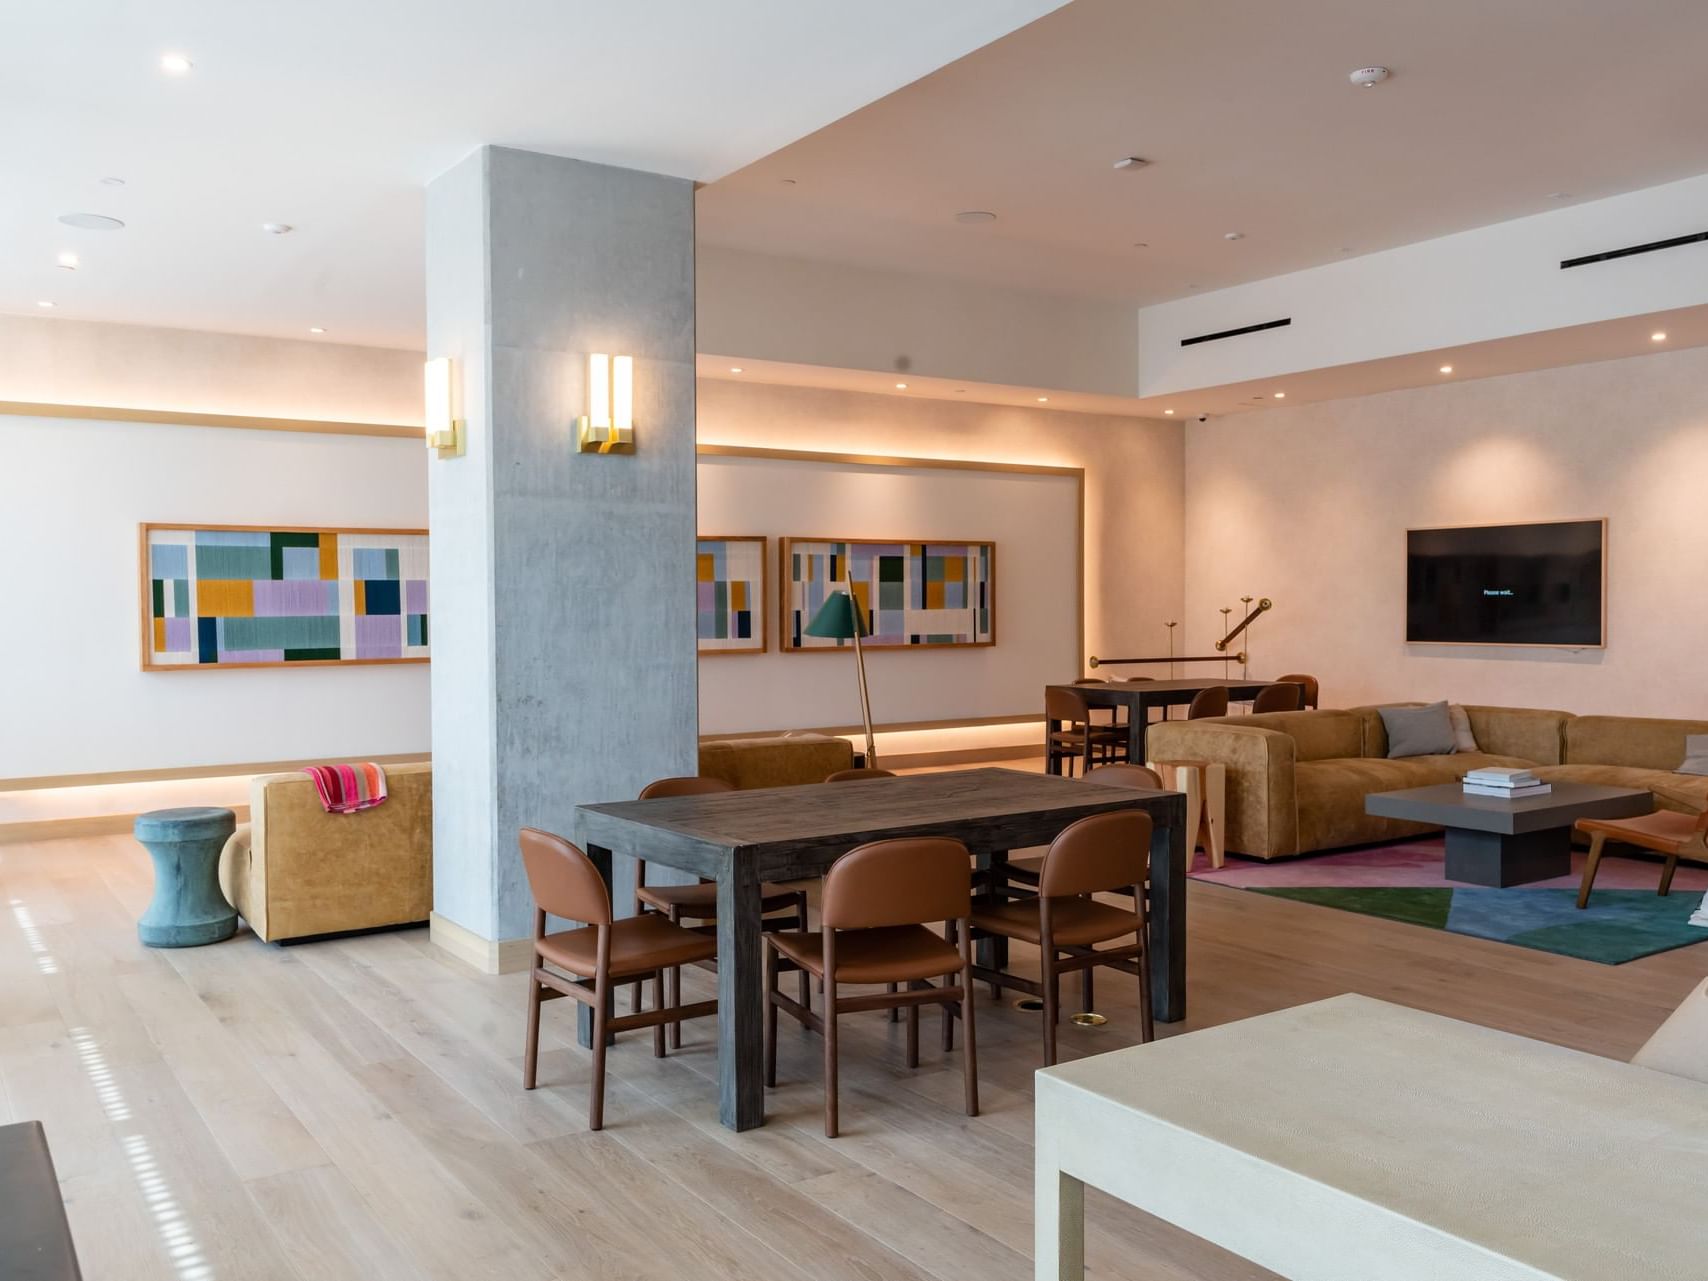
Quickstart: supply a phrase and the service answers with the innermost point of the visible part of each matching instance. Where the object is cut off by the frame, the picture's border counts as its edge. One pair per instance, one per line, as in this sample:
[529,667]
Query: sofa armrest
[238,869]
[1262,817]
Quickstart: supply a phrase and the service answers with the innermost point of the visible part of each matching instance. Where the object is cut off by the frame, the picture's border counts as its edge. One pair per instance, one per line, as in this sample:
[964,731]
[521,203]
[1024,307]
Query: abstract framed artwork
[224,596]
[731,585]
[913,595]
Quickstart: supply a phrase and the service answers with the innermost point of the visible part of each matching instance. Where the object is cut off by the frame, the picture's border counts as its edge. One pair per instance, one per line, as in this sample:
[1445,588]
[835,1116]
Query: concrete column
[564,661]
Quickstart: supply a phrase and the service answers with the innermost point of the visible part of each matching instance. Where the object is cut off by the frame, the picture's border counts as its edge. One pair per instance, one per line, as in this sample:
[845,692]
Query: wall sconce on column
[444,432]
[608,426]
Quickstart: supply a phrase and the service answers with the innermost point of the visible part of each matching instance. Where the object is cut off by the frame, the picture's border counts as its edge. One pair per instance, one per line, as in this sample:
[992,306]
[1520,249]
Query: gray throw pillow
[1418,731]
[1463,739]
[1695,755]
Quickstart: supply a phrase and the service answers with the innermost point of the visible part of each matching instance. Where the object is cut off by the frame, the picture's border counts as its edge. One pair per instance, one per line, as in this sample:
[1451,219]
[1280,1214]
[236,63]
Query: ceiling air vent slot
[1235,333]
[1694,239]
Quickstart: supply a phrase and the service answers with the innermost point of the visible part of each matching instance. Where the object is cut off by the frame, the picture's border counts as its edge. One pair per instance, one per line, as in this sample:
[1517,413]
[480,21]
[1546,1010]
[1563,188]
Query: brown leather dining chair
[1105,853]
[1276,698]
[858,775]
[598,955]
[698,903]
[1026,871]
[1663,832]
[1312,690]
[1208,702]
[878,899]
[1080,738]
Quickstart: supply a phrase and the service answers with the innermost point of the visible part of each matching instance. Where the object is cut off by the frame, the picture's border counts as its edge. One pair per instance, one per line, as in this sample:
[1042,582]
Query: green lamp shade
[837,619]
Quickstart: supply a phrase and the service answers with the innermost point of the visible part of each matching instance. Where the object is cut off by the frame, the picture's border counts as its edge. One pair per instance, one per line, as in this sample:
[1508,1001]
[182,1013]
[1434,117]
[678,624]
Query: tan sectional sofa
[1296,781]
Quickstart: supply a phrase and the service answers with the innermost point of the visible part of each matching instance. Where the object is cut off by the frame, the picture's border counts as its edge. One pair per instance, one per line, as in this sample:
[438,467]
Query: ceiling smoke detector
[1131,162]
[1369,77]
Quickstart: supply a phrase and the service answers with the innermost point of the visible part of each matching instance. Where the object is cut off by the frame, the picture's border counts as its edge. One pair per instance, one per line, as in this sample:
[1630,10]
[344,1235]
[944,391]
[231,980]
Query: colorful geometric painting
[250,596]
[932,595]
[731,585]
[1406,881]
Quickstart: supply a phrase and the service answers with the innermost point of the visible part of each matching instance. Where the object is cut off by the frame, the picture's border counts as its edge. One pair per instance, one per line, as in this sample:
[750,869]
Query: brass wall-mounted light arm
[1261,607]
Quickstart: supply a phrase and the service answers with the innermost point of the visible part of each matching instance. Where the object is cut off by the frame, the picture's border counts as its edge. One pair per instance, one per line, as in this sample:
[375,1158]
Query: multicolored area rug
[1625,918]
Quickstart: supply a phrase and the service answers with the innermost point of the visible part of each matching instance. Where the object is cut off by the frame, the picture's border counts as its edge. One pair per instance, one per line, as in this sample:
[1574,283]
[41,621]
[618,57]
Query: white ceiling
[1244,108]
[332,115]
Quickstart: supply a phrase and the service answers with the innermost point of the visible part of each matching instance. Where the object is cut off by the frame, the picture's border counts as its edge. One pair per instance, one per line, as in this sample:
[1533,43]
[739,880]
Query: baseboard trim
[489,956]
[60,829]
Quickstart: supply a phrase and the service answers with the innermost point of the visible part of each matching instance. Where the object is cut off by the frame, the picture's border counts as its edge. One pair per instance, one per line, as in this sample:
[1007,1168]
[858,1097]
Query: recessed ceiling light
[91,222]
[1280,395]
[901,386]
[1233,235]
[1168,411]
[1369,77]
[316,329]
[1043,400]
[1447,369]
[175,64]
[112,182]
[975,215]
[1131,162]
[1658,336]
[735,369]
[67,260]
[277,228]
[44,303]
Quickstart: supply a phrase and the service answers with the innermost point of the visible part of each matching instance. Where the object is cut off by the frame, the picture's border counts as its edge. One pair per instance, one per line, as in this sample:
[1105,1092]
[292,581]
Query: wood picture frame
[709,611]
[879,639]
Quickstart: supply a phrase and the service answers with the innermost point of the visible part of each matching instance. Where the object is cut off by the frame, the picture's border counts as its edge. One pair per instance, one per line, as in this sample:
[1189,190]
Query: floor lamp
[839,619]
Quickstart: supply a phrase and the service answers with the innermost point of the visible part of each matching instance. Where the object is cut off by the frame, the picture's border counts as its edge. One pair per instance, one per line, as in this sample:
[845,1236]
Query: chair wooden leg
[912,1031]
[1086,1000]
[830,1111]
[1052,997]
[771,1017]
[601,1017]
[801,925]
[673,988]
[1590,865]
[531,1051]
[658,1004]
[970,1067]
[895,1012]
[1667,870]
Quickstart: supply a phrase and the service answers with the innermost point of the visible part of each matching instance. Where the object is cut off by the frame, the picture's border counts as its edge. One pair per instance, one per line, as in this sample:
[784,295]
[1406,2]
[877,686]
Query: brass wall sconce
[608,426]
[445,433]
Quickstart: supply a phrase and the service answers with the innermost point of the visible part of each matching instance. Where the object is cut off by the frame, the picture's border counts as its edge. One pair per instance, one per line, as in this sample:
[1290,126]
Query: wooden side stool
[1206,786]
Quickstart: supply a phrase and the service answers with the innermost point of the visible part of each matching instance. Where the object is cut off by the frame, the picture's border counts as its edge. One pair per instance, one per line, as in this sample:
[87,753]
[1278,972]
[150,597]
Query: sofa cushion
[1330,794]
[1686,793]
[1418,731]
[1316,735]
[1629,740]
[1695,755]
[1464,739]
[778,761]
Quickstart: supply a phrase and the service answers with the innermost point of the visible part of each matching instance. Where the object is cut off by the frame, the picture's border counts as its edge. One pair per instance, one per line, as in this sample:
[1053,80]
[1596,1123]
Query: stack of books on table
[1508,784]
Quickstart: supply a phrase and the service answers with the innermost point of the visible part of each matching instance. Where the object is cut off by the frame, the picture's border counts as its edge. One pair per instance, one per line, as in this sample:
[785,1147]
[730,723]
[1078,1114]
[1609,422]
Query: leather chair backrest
[1209,702]
[1277,698]
[563,879]
[689,786]
[1125,776]
[1103,852]
[911,881]
[858,775]
[1065,705]
[1313,691]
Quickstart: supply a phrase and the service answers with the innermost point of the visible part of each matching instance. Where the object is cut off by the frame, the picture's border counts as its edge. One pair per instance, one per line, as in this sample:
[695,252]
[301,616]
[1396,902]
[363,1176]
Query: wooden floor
[354,1109]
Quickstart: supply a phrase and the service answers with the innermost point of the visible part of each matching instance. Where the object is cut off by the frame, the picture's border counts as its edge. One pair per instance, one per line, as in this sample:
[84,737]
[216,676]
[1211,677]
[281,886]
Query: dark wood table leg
[1168,913]
[741,999]
[1052,762]
[584,1013]
[1138,722]
[992,952]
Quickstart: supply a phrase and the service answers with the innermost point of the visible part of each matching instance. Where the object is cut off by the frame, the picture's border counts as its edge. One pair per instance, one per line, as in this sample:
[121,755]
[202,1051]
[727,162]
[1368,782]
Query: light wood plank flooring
[354,1109]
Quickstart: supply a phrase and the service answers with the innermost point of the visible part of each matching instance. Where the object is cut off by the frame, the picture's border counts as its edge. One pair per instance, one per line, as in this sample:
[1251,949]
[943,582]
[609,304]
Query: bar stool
[1206,786]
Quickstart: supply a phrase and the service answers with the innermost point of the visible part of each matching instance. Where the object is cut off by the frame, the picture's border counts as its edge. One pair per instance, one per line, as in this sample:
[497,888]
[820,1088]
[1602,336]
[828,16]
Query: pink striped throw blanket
[344,789]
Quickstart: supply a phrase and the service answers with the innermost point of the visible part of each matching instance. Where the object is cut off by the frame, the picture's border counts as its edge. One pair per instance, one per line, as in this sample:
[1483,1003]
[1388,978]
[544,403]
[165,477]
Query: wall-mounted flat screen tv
[1538,584]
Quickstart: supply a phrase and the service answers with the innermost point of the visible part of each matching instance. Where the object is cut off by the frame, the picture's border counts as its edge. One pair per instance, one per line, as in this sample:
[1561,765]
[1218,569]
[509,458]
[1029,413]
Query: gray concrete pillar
[562,582]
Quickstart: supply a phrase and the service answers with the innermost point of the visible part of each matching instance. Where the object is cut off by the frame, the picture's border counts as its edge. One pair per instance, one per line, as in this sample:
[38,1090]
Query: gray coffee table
[1496,842]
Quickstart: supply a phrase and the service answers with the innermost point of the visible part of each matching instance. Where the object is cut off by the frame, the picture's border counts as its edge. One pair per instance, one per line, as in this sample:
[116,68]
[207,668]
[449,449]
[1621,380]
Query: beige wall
[1309,505]
[1133,501]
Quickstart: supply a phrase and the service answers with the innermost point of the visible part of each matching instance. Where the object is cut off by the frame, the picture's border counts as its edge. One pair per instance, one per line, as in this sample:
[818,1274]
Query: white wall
[764,307]
[1033,520]
[1490,283]
[1310,505]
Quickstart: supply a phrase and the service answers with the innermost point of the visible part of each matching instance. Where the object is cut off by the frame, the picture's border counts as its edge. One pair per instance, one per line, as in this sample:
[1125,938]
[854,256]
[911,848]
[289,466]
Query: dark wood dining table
[739,839]
[1138,697]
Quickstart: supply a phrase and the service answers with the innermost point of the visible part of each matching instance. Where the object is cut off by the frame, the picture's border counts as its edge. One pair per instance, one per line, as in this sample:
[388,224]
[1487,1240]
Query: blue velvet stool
[188,908]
